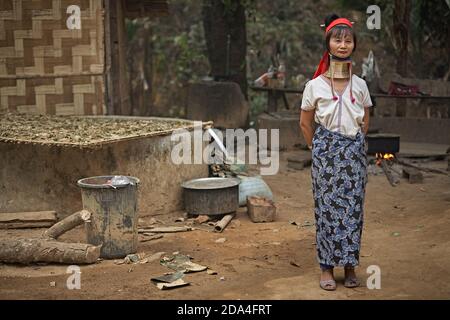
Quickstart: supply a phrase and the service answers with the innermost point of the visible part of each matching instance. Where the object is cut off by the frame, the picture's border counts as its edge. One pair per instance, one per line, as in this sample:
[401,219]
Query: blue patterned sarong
[339,177]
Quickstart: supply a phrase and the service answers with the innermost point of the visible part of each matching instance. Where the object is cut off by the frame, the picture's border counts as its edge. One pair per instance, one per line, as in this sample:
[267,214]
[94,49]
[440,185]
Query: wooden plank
[37,219]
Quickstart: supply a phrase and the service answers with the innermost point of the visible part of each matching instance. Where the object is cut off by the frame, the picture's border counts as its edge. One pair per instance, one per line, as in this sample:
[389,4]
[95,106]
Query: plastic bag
[253,186]
[119,181]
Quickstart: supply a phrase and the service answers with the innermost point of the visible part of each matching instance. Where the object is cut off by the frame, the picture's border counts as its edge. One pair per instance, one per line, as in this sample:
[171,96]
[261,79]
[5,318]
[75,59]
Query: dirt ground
[406,234]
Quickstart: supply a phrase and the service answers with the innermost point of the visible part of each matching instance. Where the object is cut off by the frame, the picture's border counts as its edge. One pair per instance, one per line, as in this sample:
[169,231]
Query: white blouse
[340,115]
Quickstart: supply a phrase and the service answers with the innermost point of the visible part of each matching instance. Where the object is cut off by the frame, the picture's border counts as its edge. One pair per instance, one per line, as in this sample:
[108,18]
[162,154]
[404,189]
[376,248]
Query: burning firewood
[382,160]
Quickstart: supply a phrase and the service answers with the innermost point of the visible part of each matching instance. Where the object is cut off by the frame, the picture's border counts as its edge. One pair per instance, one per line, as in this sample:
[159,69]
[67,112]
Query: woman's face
[341,45]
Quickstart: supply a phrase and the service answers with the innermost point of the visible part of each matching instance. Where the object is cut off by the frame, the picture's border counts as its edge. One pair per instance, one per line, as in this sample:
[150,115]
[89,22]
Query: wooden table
[274,94]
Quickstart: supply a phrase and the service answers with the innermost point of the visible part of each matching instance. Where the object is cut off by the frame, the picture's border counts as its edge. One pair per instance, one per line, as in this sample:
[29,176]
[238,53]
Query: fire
[384,156]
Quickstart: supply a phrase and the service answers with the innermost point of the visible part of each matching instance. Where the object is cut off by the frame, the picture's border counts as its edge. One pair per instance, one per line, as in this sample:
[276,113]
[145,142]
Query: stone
[261,209]
[299,162]
[413,175]
[221,240]
[220,102]
[287,122]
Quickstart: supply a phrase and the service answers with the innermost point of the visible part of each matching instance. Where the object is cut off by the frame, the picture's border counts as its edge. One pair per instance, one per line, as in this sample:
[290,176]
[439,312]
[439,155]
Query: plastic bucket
[114,215]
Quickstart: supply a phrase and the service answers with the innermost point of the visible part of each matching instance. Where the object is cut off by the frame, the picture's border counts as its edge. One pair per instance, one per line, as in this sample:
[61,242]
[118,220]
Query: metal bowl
[211,196]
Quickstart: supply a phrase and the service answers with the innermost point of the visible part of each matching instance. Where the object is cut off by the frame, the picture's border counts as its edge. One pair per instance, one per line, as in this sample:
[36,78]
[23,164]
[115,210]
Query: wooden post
[109,88]
[124,83]
[272,100]
[117,84]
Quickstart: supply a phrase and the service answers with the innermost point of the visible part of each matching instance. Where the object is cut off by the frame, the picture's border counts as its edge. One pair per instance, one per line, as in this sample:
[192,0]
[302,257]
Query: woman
[339,103]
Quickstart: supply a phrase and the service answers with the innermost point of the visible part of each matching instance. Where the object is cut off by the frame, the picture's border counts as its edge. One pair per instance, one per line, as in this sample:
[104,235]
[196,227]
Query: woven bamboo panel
[79,95]
[44,66]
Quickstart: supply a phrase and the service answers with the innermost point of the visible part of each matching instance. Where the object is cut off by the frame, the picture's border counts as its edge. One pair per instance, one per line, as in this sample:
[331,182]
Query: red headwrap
[324,62]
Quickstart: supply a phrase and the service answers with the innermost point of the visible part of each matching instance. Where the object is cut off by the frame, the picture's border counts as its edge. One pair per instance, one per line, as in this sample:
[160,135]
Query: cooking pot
[383,143]
[211,196]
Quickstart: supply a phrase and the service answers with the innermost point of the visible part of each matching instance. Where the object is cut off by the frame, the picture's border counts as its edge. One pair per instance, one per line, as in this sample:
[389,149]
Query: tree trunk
[140,65]
[401,16]
[447,44]
[67,224]
[226,40]
[28,251]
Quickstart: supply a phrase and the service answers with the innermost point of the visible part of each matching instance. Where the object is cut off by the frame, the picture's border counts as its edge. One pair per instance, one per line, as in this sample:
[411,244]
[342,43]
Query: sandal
[352,283]
[328,285]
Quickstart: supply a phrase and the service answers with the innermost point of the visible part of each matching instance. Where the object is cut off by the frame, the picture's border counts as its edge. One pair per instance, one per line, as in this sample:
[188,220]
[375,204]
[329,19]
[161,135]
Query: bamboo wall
[46,68]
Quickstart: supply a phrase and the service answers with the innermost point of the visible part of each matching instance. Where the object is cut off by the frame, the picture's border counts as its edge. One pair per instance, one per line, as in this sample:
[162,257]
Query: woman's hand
[306,125]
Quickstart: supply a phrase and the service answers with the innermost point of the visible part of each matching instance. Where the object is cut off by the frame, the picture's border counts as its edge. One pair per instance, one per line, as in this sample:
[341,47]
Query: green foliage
[258,103]
[179,53]
[430,25]
[131,27]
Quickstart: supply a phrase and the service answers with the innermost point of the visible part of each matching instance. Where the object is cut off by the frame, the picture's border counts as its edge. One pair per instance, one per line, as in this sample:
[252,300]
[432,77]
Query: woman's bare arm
[306,125]
[366,119]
